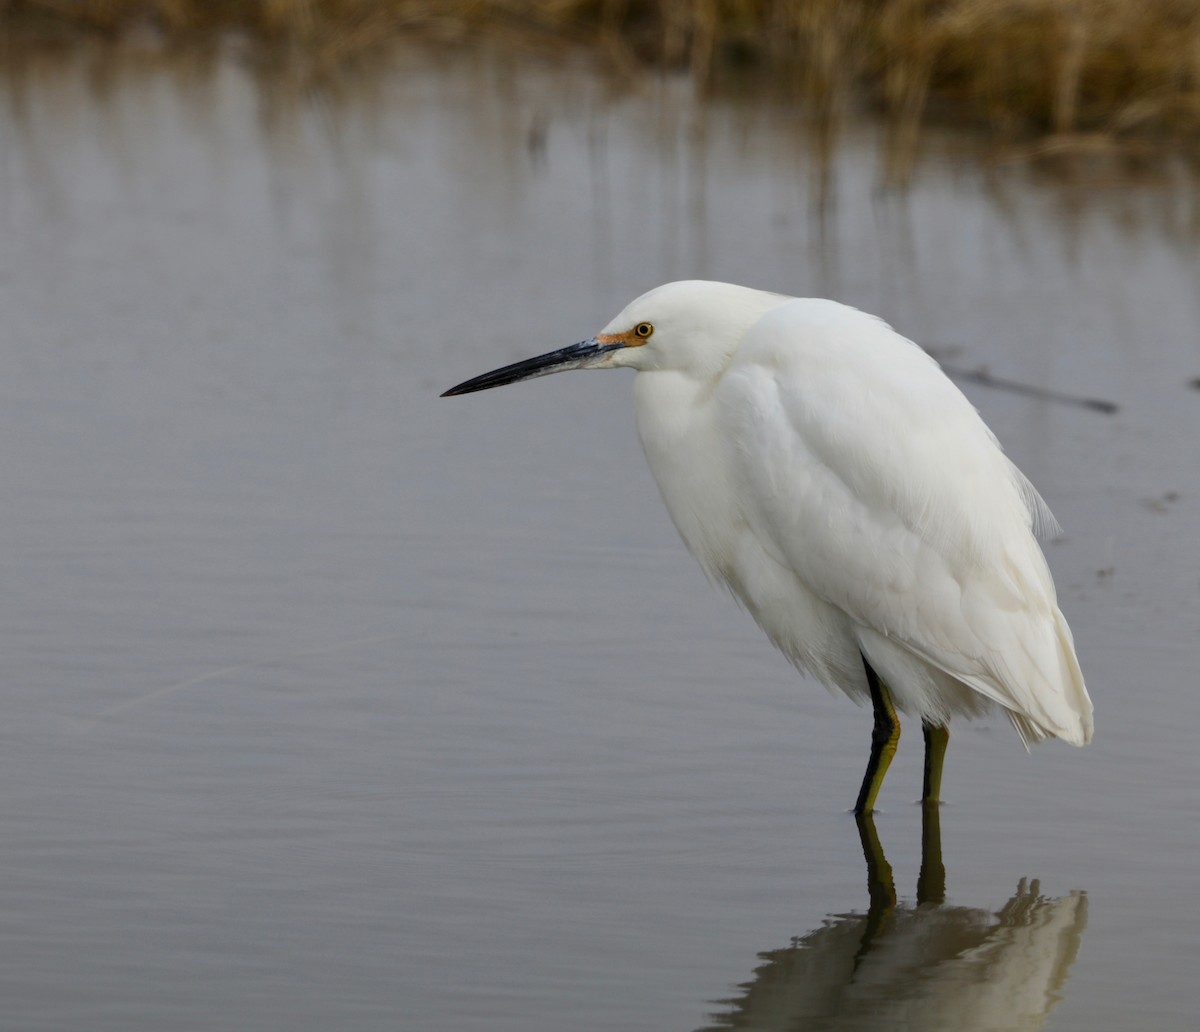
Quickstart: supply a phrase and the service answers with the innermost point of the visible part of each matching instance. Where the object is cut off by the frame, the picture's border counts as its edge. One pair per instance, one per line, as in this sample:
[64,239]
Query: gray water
[328,703]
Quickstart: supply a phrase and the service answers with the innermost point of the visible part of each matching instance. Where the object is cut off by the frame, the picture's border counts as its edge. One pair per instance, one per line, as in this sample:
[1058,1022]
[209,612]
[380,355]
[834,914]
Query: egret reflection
[926,966]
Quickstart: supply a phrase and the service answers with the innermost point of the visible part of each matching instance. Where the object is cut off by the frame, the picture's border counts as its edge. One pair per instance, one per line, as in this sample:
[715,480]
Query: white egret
[827,471]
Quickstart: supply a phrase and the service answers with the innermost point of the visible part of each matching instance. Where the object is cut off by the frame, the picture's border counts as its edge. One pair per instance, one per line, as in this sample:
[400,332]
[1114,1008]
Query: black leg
[937,737]
[883,742]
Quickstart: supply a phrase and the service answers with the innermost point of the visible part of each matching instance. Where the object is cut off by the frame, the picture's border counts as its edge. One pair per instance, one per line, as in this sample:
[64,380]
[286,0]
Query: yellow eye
[643,330]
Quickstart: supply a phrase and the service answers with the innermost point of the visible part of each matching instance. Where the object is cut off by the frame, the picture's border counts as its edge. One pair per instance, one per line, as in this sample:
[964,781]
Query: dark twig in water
[982,376]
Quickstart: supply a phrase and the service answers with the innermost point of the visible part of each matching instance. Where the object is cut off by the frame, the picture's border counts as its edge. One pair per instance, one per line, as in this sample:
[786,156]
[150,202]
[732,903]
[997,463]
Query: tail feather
[1075,690]
[1063,707]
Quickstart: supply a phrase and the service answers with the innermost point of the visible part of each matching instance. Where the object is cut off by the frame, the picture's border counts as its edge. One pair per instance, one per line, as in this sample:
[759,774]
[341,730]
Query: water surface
[329,703]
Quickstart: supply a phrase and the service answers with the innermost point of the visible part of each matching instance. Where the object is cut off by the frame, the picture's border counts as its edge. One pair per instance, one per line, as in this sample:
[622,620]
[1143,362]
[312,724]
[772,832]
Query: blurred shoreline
[1054,76]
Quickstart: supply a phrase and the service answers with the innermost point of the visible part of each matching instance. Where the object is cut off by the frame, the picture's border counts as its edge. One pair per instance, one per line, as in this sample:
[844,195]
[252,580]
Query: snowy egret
[827,471]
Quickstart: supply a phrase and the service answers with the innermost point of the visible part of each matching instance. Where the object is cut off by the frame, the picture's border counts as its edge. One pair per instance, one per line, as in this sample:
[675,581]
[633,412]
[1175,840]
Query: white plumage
[829,473]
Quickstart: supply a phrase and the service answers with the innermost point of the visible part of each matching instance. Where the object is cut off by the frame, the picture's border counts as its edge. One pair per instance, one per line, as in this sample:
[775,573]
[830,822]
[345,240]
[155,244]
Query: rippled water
[329,703]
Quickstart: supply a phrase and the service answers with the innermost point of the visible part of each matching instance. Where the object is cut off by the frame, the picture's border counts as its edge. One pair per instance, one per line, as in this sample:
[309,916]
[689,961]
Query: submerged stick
[986,379]
[216,674]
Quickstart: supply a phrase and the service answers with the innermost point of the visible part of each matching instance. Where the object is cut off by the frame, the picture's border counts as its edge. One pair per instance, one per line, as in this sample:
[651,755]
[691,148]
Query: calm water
[331,704]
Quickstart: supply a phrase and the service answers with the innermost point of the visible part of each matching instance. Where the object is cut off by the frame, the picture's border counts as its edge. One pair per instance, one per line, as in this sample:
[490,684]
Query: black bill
[576,356]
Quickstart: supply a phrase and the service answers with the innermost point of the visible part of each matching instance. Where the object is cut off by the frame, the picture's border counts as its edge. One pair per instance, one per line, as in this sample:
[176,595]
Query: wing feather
[864,469]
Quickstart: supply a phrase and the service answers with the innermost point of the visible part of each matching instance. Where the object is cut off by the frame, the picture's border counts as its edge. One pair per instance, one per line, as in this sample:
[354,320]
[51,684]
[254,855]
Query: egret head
[692,327]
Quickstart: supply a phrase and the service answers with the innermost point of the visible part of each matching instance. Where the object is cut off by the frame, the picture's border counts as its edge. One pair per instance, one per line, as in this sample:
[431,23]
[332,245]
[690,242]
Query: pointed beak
[578,356]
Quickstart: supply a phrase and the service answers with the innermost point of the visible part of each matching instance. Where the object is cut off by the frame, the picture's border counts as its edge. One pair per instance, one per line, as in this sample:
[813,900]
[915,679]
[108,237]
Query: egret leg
[937,737]
[883,742]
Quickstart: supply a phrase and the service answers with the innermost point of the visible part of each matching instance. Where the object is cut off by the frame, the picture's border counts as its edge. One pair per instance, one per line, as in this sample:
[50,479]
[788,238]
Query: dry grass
[1058,70]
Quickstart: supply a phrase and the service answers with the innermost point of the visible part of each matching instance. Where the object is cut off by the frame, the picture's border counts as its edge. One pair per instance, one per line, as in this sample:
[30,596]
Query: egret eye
[643,330]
